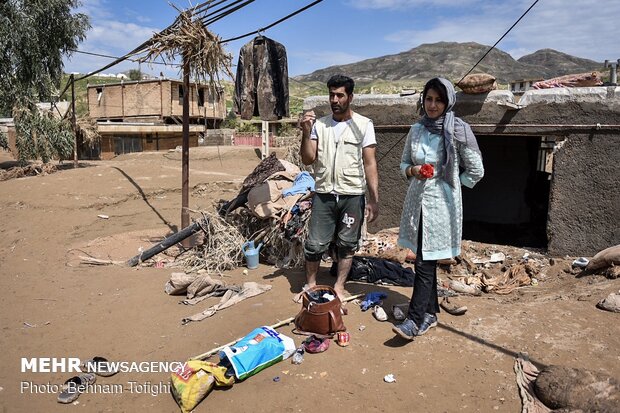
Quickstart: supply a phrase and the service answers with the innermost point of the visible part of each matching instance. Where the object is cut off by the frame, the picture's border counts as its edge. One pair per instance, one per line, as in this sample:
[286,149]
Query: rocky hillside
[452,60]
[557,63]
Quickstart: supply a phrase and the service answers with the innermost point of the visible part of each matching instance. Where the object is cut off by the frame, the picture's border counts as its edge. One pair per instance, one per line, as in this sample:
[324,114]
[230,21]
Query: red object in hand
[427,170]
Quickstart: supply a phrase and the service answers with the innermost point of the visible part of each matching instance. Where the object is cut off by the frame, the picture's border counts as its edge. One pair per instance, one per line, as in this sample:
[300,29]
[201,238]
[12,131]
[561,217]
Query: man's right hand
[307,121]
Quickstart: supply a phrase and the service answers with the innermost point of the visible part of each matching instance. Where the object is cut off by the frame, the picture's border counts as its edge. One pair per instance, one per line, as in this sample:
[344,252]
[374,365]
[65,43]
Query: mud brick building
[147,115]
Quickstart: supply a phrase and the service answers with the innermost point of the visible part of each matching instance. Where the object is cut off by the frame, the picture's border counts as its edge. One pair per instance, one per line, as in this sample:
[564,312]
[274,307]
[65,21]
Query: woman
[432,217]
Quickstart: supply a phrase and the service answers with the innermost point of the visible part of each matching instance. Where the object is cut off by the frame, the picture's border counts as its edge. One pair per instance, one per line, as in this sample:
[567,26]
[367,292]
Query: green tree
[34,37]
[135,74]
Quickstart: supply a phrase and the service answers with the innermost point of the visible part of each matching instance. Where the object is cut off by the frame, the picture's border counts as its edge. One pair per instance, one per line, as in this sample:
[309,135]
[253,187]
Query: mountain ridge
[452,60]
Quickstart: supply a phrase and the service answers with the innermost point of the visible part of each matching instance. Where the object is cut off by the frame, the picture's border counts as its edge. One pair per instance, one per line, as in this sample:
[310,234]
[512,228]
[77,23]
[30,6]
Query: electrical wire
[116,57]
[500,39]
[206,21]
[206,6]
[393,146]
[274,23]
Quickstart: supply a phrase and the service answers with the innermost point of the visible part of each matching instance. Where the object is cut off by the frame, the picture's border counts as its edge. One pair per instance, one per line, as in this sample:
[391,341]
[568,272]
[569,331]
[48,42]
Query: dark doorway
[509,206]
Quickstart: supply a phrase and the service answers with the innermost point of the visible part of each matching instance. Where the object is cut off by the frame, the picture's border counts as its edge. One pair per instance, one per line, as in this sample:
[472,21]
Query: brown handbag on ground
[317,315]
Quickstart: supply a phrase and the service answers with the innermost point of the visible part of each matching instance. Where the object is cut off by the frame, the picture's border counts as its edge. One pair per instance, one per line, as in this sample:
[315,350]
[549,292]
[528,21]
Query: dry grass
[87,127]
[193,41]
[34,169]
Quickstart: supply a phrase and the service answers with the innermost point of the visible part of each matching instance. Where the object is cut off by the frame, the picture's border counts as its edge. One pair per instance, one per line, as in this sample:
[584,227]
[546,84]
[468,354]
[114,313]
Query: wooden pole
[185,150]
[74,121]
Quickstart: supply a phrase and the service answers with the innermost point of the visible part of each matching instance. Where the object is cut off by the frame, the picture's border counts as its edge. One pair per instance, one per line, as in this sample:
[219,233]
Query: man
[341,147]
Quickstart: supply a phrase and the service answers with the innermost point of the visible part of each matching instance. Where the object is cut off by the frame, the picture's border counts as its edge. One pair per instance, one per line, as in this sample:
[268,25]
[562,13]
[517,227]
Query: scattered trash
[245,272]
[389,378]
[534,282]
[276,379]
[372,299]
[464,288]
[103,216]
[323,374]
[343,338]
[398,313]
[298,356]
[495,257]
[30,325]
[581,262]
[362,328]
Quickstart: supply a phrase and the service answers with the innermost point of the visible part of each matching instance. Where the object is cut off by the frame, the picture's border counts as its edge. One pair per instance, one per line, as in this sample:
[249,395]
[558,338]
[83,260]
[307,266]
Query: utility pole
[185,151]
[613,71]
[74,121]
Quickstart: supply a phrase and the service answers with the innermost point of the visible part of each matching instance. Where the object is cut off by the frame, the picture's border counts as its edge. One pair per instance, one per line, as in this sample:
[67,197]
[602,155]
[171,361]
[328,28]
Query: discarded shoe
[430,321]
[379,313]
[398,313]
[314,344]
[407,329]
[452,308]
[73,387]
[100,366]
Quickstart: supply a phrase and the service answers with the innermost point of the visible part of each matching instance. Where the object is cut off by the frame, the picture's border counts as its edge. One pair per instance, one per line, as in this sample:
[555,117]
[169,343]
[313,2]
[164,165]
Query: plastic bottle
[298,356]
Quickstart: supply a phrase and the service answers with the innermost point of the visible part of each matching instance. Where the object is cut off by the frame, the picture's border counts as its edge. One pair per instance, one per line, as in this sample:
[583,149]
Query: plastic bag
[258,350]
[193,381]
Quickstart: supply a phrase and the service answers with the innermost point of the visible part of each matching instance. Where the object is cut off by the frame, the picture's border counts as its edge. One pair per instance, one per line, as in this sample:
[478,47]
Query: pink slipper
[313,344]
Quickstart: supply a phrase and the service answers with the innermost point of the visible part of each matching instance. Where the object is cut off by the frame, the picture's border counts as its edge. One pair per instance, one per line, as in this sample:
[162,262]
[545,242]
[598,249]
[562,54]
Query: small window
[99,94]
[201,97]
[521,85]
[181,94]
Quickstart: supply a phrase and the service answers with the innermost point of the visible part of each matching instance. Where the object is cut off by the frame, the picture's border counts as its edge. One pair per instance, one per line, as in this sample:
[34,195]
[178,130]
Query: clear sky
[345,31]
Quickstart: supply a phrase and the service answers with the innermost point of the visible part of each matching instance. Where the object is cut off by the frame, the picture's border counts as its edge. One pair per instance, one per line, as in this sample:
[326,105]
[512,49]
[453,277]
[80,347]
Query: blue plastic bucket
[251,254]
[251,258]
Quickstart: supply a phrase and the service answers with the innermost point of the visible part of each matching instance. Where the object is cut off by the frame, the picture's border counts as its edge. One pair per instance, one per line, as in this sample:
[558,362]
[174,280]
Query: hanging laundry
[261,83]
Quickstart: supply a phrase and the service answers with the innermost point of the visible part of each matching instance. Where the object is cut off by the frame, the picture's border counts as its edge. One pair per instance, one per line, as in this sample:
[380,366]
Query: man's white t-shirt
[339,128]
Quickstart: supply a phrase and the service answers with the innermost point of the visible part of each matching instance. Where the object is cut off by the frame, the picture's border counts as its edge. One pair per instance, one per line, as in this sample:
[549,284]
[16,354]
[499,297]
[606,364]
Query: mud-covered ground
[53,306]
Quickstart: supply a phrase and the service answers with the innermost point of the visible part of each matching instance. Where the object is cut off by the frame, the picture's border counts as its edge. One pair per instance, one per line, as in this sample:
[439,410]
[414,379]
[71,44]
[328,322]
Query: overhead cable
[116,57]
[206,5]
[500,39]
[212,17]
[274,23]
